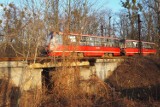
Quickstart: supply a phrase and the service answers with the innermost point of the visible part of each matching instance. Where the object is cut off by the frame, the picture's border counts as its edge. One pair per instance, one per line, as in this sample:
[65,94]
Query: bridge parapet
[58,64]
[13,64]
[109,60]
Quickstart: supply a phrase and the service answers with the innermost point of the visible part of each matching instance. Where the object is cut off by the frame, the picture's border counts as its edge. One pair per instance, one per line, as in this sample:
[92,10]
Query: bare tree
[123,25]
[154,10]
[132,7]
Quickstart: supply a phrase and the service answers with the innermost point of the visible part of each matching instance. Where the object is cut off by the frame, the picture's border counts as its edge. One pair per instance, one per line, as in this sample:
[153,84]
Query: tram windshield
[54,39]
[49,37]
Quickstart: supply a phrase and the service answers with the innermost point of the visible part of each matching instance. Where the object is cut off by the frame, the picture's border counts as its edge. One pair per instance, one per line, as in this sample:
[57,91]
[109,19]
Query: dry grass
[68,90]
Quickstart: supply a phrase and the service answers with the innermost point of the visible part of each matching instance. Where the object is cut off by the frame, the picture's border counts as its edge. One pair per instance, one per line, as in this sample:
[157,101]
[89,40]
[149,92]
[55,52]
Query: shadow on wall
[10,94]
[6,86]
[15,96]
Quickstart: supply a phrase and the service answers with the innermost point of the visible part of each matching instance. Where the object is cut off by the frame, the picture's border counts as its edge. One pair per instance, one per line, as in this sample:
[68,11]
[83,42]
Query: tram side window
[83,40]
[87,41]
[152,46]
[107,42]
[135,44]
[91,41]
[59,39]
[103,43]
[110,42]
[149,46]
[121,45]
[97,41]
[113,43]
[144,45]
[116,42]
[72,38]
[129,44]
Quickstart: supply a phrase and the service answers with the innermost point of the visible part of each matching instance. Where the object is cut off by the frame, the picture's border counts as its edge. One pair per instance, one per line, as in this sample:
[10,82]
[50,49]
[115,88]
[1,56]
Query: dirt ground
[137,80]
[136,72]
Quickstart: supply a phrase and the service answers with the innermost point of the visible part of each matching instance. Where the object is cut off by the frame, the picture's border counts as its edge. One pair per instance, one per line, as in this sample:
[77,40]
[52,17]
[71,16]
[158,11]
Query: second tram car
[60,44]
[131,47]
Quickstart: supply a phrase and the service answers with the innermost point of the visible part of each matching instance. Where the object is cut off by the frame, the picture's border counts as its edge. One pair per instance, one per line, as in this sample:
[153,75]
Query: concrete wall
[103,69]
[20,75]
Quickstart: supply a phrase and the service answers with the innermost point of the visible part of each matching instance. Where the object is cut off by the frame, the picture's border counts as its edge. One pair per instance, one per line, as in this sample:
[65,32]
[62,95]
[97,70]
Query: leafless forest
[24,25]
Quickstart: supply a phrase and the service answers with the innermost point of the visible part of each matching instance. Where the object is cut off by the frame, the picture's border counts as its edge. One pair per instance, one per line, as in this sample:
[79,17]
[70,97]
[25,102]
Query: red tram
[60,44]
[131,47]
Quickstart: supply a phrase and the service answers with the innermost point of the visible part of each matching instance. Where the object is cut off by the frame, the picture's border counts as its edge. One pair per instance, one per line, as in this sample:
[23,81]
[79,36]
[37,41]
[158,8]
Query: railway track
[54,58]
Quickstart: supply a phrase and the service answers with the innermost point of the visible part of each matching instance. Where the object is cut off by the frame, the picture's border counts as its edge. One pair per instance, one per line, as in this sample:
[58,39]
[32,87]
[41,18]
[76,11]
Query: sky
[113,5]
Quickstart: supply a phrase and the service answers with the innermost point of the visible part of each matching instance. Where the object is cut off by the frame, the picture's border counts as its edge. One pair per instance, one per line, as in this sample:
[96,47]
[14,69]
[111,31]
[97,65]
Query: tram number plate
[97,47]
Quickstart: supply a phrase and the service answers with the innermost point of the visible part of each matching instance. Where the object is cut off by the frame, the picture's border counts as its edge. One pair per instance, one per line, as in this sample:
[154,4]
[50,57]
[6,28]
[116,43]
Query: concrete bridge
[29,76]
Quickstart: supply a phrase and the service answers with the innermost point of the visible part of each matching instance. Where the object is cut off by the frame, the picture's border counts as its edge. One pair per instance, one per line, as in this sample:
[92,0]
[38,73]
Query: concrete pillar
[31,79]
[20,75]
[104,70]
